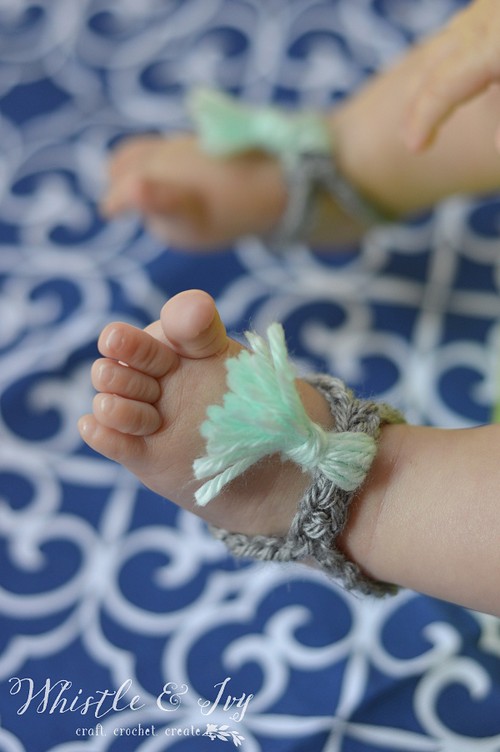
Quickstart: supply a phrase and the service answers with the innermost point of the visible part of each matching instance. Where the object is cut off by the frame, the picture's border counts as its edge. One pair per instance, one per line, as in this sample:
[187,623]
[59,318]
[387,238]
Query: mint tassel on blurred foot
[226,126]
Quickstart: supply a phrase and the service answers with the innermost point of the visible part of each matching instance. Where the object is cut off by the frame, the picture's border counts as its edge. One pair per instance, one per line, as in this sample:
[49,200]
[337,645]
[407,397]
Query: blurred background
[102,583]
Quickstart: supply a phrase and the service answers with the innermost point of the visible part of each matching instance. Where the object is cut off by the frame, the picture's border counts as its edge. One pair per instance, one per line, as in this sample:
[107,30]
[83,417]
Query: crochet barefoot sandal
[303,144]
[262,414]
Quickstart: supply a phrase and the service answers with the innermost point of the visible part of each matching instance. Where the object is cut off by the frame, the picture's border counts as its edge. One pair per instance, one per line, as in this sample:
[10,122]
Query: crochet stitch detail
[323,510]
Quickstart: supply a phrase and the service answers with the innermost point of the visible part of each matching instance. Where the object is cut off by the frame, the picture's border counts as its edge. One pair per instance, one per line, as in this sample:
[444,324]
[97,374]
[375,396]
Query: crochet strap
[323,511]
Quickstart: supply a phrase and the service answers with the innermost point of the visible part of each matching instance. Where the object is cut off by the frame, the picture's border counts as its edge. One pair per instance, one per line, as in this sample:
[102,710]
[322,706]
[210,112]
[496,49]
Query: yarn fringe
[227,126]
[262,414]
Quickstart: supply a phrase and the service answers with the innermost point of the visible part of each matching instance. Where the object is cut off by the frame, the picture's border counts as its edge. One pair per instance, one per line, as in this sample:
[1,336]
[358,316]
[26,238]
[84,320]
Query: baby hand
[458,63]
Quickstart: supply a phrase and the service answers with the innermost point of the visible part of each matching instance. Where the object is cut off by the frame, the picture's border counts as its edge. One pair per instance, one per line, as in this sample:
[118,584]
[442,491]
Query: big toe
[192,325]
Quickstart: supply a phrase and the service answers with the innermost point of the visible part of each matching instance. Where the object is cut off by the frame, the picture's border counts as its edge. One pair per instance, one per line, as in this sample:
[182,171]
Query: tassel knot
[343,458]
[262,414]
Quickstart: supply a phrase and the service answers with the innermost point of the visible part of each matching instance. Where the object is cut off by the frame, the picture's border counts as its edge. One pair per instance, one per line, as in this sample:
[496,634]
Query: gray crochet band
[307,174]
[323,510]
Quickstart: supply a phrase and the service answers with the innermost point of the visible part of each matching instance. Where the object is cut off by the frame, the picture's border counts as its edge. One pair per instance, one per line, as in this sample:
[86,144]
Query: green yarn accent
[495,409]
[225,126]
[495,416]
[262,414]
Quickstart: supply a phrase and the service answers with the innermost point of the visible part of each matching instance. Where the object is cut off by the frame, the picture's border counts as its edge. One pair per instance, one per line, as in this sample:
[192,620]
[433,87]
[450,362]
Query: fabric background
[104,584]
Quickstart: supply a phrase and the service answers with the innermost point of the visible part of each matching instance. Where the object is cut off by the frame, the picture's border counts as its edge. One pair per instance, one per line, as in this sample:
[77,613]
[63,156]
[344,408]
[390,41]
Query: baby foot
[190,199]
[154,387]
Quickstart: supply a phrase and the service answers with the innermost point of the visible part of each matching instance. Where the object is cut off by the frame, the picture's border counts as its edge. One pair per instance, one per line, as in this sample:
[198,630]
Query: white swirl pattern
[101,582]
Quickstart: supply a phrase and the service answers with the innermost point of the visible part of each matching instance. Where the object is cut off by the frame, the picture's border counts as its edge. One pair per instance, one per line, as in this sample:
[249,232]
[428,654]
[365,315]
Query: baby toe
[114,377]
[191,323]
[126,416]
[125,449]
[137,348]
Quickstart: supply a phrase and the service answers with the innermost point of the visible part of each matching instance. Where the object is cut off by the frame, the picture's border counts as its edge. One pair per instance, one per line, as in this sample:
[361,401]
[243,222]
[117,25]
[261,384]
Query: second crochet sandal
[303,144]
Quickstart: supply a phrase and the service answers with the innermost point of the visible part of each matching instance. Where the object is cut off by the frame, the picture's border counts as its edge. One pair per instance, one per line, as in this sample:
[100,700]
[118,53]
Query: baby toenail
[105,403]
[105,374]
[100,372]
[85,427]
[114,340]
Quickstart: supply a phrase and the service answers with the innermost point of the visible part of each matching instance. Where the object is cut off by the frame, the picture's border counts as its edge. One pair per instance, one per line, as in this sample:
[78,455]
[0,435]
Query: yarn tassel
[227,126]
[262,414]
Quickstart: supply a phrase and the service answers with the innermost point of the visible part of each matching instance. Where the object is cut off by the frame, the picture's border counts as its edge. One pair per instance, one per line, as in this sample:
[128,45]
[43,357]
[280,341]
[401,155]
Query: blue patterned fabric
[107,586]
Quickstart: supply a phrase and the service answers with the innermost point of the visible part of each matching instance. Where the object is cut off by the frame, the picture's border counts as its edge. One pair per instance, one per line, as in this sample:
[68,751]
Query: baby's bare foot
[154,387]
[191,199]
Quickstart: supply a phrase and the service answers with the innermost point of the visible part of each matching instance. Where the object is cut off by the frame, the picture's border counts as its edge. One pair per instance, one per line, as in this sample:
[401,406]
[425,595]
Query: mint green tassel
[225,126]
[262,414]
[495,416]
[495,408]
